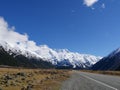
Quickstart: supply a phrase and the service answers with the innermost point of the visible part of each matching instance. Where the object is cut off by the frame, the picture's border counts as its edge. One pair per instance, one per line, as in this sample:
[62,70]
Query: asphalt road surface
[89,81]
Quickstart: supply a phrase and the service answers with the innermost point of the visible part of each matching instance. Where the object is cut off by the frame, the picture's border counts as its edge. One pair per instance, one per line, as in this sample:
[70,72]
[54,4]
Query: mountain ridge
[61,57]
[9,58]
[19,44]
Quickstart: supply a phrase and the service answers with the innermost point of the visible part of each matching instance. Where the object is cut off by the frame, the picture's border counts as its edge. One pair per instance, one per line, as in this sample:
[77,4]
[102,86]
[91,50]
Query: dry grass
[116,73]
[37,79]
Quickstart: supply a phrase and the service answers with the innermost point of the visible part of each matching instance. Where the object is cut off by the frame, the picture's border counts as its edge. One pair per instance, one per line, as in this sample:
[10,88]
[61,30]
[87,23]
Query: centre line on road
[100,82]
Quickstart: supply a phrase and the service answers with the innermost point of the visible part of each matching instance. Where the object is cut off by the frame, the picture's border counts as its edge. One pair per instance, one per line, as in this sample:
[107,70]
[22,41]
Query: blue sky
[70,24]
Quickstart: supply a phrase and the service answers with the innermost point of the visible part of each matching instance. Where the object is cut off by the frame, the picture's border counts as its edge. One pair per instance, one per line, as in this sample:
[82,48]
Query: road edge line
[100,82]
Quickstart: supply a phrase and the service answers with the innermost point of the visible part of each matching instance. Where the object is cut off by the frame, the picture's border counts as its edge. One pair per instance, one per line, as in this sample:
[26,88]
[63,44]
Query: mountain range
[44,56]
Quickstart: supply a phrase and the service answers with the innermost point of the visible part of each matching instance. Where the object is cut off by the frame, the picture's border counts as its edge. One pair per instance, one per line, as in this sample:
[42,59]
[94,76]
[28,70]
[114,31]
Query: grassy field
[32,79]
[116,73]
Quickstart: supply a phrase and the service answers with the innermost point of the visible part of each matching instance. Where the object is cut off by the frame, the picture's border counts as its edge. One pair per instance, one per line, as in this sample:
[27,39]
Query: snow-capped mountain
[65,57]
[110,62]
[17,44]
[61,57]
[20,58]
[17,50]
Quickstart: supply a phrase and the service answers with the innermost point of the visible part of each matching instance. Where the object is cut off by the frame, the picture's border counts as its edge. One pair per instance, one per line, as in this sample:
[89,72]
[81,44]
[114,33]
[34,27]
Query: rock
[1,89]
[21,74]
[41,81]
[15,75]
[8,77]
[29,87]
[29,81]
[13,83]
[47,78]
[5,81]
[30,74]
[7,85]
[23,88]
[22,79]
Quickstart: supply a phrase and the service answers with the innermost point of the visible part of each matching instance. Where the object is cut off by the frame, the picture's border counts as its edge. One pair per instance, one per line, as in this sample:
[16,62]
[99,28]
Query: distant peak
[114,52]
[117,50]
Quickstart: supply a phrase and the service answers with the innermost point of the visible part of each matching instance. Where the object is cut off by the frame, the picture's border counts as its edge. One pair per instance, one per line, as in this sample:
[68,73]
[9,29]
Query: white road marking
[100,82]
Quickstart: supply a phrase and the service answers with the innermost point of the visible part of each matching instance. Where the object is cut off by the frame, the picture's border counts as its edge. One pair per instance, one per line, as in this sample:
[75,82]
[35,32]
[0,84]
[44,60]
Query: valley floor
[32,79]
[52,79]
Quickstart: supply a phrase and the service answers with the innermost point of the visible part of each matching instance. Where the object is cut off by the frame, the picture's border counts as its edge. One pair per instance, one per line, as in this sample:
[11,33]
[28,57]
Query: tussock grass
[37,79]
[116,73]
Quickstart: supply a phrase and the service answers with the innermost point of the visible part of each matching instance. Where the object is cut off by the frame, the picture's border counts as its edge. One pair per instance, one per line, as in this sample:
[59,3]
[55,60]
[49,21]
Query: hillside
[12,59]
[110,62]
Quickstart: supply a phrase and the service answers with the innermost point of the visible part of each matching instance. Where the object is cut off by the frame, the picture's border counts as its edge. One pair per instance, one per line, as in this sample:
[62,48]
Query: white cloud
[103,5]
[15,39]
[89,3]
[9,35]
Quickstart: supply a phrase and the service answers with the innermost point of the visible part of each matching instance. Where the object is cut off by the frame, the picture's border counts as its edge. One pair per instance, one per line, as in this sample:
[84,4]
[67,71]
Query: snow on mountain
[14,42]
[56,57]
[17,51]
[61,55]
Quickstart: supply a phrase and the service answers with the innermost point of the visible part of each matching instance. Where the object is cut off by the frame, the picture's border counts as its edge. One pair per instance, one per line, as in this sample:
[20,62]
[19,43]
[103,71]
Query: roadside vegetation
[117,73]
[32,79]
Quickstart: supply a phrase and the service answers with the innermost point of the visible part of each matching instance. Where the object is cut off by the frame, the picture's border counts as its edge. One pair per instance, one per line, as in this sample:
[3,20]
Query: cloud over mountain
[21,43]
[89,3]
[9,35]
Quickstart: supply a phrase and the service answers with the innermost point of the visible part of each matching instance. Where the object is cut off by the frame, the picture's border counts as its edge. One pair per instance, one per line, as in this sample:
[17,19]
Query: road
[89,81]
